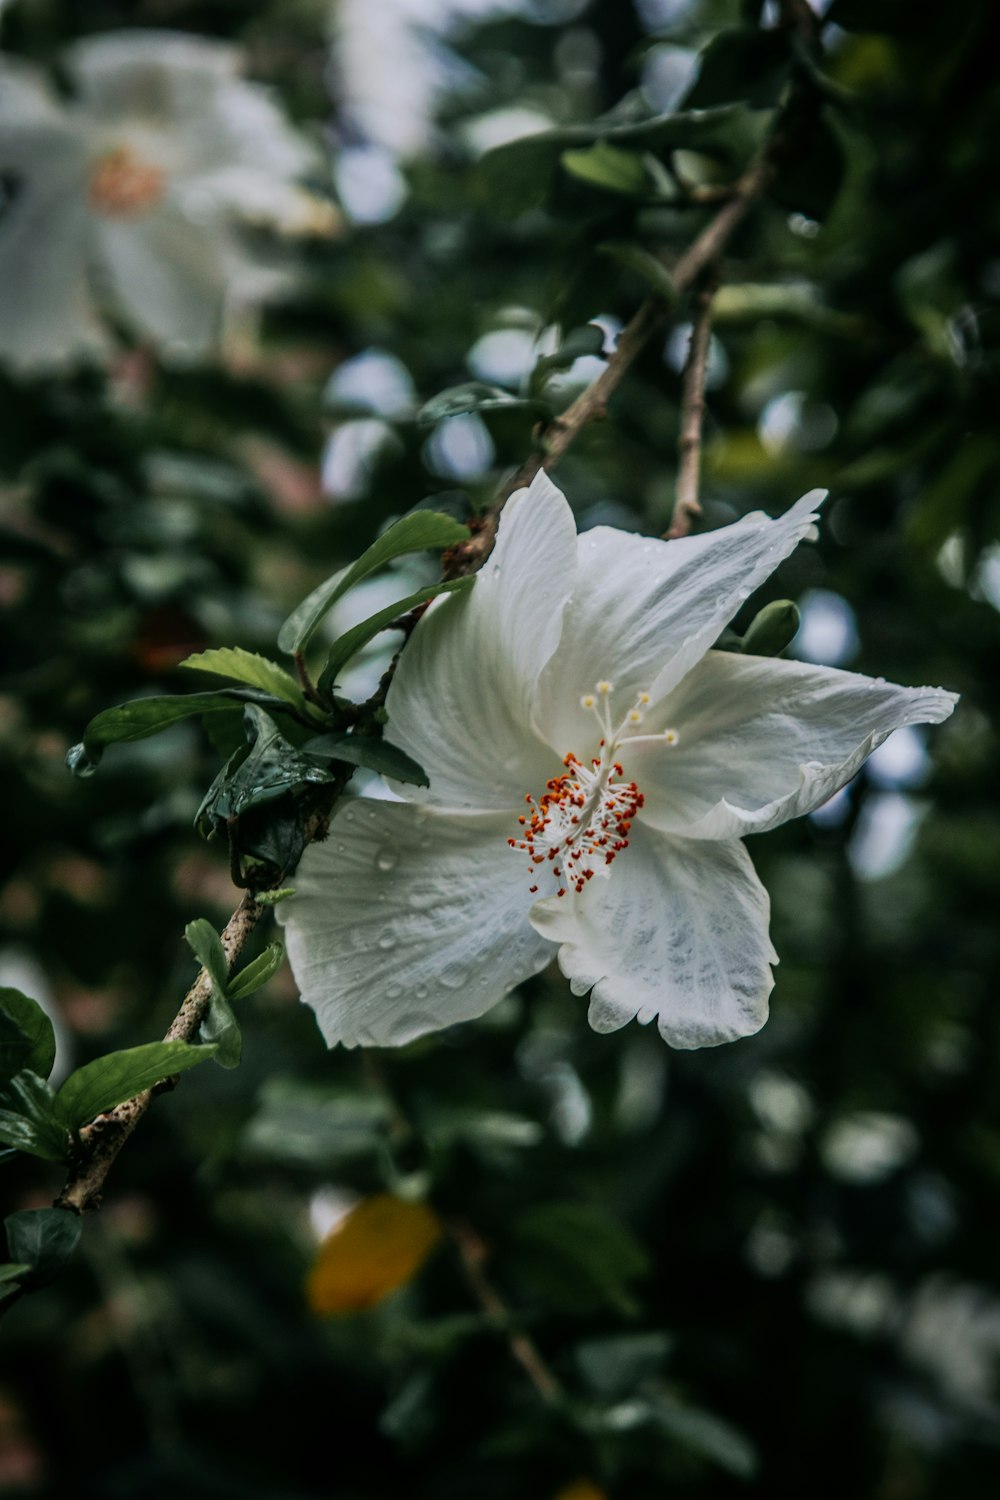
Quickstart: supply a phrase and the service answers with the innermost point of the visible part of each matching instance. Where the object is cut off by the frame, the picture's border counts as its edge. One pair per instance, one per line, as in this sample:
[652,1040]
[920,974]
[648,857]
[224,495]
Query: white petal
[677,932]
[406,920]
[462,696]
[761,741]
[167,275]
[643,611]
[46,314]
[160,76]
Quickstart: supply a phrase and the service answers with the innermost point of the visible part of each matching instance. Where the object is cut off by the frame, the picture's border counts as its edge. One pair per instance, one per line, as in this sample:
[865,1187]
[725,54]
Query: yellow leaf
[379,1246]
[581,1489]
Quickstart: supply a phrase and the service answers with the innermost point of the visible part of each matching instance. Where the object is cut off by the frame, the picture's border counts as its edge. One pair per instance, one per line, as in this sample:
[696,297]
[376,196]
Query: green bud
[772,630]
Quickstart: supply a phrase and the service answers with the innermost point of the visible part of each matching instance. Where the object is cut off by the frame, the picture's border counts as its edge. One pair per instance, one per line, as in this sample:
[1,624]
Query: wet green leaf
[26,1036]
[266,770]
[142,717]
[374,755]
[110,1080]
[352,640]
[421,531]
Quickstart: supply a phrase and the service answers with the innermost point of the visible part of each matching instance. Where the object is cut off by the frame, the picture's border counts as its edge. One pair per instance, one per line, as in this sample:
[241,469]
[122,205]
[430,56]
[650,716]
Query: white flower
[137,189]
[593,766]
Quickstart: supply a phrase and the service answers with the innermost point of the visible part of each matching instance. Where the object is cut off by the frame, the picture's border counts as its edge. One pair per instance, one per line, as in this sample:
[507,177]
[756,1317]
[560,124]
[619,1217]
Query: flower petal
[46,314]
[643,611]
[678,932]
[167,276]
[406,920]
[762,741]
[461,700]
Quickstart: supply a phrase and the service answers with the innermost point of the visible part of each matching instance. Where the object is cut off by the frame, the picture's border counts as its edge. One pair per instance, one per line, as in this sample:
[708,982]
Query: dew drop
[453,978]
[341,848]
[421,992]
[495,570]
[422,897]
[394,991]
[349,816]
[386,942]
[386,860]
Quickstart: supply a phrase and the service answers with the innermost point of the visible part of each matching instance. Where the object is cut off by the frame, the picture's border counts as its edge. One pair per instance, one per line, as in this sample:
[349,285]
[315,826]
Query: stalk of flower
[133,198]
[593,767]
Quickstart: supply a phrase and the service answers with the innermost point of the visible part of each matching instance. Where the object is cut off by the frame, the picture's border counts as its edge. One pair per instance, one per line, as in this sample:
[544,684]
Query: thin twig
[687,508]
[100,1142]
[592,403]
[472,1253]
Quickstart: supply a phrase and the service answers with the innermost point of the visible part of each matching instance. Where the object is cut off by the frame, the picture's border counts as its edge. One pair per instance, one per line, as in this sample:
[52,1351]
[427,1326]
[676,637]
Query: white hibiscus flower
[136,190]
[593,766]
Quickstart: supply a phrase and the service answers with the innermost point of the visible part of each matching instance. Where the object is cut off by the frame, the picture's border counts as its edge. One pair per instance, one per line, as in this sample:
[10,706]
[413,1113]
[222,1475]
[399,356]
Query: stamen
[123,185]
[604,687]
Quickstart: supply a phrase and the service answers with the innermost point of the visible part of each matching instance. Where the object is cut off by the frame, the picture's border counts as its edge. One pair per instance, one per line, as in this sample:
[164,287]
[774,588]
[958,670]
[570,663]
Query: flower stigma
[581,822]
[123,185]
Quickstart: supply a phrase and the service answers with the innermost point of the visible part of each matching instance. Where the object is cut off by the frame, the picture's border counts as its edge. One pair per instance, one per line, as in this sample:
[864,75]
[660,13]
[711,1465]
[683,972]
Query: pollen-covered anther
[122,184]
[604,687]
[670,737]
[581,822]
[588,701]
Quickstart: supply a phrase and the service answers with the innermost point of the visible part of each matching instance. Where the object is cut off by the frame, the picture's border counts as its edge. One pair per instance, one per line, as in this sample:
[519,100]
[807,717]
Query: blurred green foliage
[762,1270]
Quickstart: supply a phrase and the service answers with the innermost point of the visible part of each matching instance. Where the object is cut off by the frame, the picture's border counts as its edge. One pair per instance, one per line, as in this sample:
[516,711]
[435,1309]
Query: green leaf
[475,396]
[644,264]
[221,1030]
[578,1257]
[707,1434]
[422,531]
[614,1366]
[772,629]
[517,175]
[29,1120]
[352,640]
[220,1027]
[742,62]
[13,1270]
[272,898]
[587,339]
[43,1239]
[141,717]
[26,1036]
[310,1125]
[270,768]
[257,972]
[247,666]
[610,168]
[374,755]
[110,1080]
[206,945]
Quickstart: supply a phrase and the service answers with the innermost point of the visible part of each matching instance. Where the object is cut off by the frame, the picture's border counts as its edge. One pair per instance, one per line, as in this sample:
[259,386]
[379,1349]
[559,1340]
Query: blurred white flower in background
[132,196]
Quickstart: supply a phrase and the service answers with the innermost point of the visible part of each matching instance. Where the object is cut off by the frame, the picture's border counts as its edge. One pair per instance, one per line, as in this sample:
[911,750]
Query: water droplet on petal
[453,978]
[386,860]
[421,992]
[394,991]
[495,570]
[386,942]
[349,816]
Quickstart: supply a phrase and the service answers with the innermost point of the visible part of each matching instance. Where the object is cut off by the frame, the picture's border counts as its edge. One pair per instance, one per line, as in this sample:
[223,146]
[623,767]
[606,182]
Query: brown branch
[701,256]
[472,1253]
[687,508]
[100,1142]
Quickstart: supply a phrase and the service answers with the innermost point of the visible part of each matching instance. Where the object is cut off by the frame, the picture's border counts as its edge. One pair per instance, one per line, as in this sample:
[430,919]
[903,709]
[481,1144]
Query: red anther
[532,889]
[561,891]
